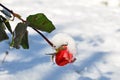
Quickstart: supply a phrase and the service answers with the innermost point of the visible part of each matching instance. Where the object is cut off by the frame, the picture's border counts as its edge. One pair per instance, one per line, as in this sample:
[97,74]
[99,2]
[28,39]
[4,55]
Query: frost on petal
[61,39]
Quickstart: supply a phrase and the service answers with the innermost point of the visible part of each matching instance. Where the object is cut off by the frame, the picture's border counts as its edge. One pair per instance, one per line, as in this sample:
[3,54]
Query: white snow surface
[93,24]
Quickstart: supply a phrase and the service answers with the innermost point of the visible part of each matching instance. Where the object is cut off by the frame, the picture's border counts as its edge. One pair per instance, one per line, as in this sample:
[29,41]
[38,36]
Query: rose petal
[63,57]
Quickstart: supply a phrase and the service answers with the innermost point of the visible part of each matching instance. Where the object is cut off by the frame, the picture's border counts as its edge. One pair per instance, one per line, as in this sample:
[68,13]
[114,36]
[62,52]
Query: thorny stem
[24,21]
[19,17]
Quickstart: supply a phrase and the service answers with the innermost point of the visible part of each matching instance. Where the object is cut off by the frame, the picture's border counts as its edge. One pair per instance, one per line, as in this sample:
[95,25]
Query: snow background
[94,25]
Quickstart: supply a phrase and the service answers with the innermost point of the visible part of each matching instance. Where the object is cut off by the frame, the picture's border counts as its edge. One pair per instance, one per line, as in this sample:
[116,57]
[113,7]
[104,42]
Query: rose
[63,56]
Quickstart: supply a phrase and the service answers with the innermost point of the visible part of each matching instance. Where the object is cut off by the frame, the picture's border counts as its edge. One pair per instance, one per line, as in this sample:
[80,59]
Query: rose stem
[18,16]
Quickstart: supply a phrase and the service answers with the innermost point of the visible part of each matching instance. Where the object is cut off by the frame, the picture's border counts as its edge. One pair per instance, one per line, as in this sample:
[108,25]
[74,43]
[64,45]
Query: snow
[64,39]
[93,24]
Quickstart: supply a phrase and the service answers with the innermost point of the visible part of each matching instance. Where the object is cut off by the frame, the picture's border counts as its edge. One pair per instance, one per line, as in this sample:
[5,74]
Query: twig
[6,8]
[6,53]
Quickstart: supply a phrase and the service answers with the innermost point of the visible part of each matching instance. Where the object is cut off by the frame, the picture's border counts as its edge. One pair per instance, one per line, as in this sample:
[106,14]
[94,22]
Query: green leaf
[2,23]
[18,34]
[7,24]
[3,35]
[24,42]
[41,22]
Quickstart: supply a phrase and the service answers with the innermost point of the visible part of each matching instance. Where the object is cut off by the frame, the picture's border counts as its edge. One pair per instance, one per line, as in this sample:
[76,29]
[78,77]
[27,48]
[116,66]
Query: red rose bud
[64,57]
